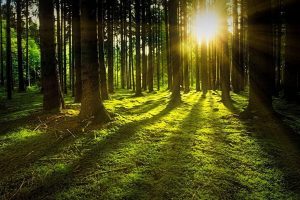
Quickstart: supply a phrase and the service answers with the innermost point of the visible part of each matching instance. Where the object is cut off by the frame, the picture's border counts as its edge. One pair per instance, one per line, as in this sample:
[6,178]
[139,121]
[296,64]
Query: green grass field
[198,149]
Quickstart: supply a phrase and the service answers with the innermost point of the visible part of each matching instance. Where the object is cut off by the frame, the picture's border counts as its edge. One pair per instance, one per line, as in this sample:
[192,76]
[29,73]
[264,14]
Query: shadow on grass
[56,182]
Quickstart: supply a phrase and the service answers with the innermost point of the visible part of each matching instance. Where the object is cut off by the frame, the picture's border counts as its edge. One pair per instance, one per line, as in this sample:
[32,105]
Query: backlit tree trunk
[50,81]
[91,102]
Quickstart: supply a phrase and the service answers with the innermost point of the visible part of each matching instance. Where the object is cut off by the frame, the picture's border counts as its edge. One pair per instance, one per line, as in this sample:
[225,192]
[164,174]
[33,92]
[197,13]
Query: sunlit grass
[152,150]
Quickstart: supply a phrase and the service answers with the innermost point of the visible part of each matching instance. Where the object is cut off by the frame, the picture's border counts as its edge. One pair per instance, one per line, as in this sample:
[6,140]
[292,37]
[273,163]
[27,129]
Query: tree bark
[20,48]
[138,48]
[110,43]
[91,102]
[50,81]
[103,79]
[9,73]
[292,49]
[1,49]
[261,55]
[175,49]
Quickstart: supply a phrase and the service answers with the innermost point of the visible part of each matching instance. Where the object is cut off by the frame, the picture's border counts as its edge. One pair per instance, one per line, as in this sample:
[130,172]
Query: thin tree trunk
[144,38]
[27,68]
[1,48]
[174,46]
[9,73]
[138,48]
[77,49]
[110,43]
[103,80]
[19,47]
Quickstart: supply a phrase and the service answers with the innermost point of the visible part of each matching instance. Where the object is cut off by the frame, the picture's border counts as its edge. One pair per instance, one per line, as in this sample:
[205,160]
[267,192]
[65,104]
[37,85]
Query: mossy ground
[198,149]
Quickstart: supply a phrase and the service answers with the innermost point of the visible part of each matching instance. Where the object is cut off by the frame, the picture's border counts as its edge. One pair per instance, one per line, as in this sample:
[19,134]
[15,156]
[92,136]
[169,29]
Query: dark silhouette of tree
[9,72]
[1,48]
[91,102]
[291,71]
[261,54]
[77,49]
[50,81]
[110,44]
[103,79]
[175,51]
[138,47]
[20,48]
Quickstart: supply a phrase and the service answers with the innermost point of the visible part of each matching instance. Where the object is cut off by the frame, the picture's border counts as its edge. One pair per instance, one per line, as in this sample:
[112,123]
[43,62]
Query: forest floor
[199,149]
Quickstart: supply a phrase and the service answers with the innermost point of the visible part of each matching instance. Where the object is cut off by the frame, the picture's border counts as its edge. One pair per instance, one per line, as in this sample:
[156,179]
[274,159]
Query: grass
[199,149]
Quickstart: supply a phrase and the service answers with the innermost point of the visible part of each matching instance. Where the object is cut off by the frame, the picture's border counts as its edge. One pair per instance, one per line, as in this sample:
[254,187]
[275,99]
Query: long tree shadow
[167,174]
[283,147]
[57,182]
[278,146]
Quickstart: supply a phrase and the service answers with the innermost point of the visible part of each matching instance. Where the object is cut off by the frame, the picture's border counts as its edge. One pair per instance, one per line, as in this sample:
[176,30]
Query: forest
[149,99]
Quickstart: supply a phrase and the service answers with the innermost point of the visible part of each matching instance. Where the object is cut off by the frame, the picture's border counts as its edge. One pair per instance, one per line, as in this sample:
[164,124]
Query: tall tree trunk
[204,68]
[175,49]
[151,48]
[103,80]
[59,40]
[224,56]
[110,43]
[185,49]
[123,42]
[20,48]
[261,54]
[144,41]
[242,46]
[77,49]
[138,47]
[27,68]
[292,49]
[91,102]
[64,36]
[169,67]
[9,73]
[1,48]
[235,75]
[50,81]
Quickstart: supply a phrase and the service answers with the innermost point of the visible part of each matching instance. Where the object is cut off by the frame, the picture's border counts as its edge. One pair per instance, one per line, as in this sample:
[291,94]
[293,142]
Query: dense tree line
[91,47]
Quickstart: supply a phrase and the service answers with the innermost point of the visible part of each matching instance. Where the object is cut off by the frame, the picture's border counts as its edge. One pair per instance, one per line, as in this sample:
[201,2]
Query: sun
[205,26]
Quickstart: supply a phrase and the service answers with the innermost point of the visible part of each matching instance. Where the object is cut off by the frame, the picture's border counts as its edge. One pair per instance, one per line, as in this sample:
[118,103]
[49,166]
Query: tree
[1,48]
[77,49]
[175,49]
[91,102]
[110,43]
[20,48]
[103,80]
[9,73]
[138,48]
[144,41]
[292,49]
[53,100]
[186,77]
[169,68]
[27,68]
[261,54]
[224,56]
[204,68]
[150,72]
